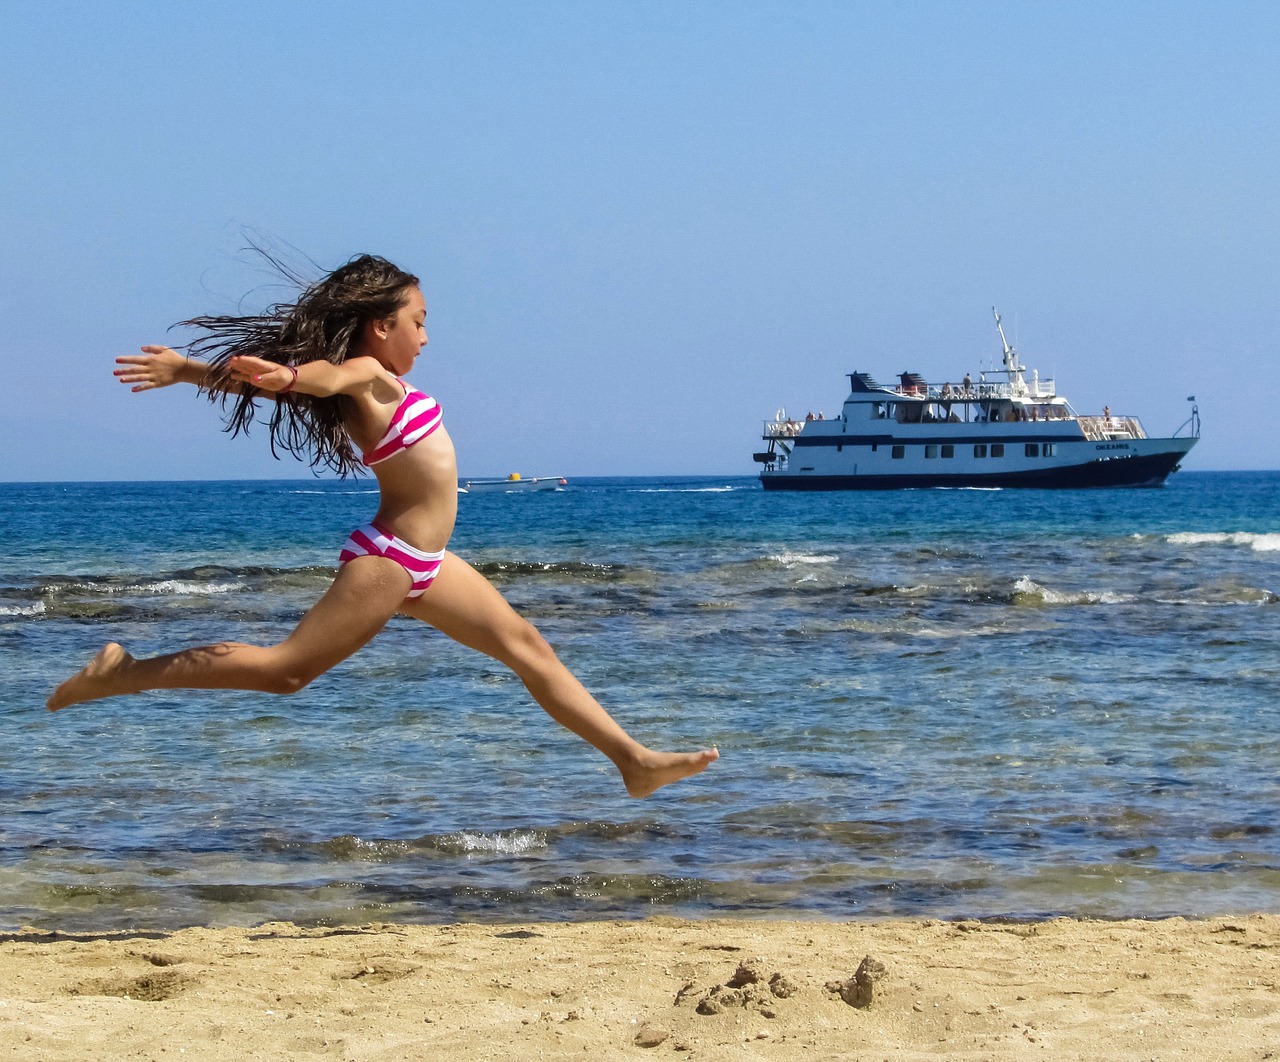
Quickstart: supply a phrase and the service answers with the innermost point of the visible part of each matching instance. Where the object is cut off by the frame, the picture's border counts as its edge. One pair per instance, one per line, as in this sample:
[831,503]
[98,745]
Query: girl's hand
[258,372]
[155,367]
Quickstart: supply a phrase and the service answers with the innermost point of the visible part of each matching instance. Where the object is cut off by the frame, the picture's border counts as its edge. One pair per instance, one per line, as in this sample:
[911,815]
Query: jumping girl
[334,363]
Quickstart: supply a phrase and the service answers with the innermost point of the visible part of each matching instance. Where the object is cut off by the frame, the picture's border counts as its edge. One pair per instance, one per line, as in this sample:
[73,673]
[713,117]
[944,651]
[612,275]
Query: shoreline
[663,987]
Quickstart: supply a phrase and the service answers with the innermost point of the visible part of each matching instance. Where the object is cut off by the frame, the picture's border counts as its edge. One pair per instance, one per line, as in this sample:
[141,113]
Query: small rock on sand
[857,990]
[748,973]
[651,1036]
[781,986]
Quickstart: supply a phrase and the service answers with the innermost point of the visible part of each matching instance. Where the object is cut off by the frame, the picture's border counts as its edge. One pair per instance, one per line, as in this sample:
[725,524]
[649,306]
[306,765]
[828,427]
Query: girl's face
[397,340]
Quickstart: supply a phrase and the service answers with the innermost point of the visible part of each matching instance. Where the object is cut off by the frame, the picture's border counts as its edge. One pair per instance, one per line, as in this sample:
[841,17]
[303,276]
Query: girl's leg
[365,594]
[463,604]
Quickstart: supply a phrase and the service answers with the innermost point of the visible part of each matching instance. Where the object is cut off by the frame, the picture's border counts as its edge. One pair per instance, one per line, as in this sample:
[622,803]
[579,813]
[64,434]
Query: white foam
[168,587]
[182,586]
[950,634]
[1249,596]
[503,843]
[789,559]
[37,609]
[683,490]
[1030,588]
[1258,542]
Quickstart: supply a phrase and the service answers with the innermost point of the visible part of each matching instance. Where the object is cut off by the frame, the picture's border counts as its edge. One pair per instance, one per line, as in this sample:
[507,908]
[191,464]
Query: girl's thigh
[364,595]
[463,604]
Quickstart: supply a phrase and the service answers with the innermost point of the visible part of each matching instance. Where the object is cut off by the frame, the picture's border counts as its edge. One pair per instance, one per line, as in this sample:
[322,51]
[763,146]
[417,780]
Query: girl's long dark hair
[324,324]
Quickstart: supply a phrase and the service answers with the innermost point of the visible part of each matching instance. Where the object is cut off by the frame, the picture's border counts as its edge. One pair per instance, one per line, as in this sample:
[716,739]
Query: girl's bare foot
[656,769]
[100,677]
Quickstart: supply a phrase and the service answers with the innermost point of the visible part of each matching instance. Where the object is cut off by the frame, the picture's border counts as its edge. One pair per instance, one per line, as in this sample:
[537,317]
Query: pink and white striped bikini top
[416,417]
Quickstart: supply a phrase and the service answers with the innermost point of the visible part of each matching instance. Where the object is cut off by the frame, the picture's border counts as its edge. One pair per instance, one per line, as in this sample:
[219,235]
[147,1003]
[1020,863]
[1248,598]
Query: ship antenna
[1008,350]
[1011,366]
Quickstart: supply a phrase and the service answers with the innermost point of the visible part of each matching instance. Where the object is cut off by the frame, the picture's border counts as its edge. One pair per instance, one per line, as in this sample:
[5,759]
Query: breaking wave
[1258,542]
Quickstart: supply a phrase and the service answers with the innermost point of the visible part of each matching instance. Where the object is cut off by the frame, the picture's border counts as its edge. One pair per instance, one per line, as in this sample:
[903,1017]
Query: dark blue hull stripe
[1148,471]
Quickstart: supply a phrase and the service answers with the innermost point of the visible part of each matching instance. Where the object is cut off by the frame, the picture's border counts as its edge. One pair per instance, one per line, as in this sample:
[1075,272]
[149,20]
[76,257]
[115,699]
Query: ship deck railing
[1112,428]
[1036,390]
[782,429]
[1096,429]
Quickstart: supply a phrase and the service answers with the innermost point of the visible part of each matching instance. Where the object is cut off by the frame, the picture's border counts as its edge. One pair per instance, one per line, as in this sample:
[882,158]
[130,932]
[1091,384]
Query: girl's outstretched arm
[160,367]
[320,378]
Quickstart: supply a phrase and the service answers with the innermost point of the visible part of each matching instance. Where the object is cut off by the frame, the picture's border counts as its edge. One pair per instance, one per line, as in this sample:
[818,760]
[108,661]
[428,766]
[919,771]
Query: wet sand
[1061,989]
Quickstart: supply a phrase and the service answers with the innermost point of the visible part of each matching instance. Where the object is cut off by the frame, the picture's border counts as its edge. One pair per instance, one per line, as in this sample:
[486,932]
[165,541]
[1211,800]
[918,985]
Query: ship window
[1050,449]
[899,451]
[875,447]
[931,450]
[948,450]
[979,449]
[1033,449]
[997,449]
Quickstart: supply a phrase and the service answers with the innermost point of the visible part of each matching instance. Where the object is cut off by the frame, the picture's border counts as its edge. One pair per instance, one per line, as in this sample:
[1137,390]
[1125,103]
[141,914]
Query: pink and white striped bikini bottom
[372,541]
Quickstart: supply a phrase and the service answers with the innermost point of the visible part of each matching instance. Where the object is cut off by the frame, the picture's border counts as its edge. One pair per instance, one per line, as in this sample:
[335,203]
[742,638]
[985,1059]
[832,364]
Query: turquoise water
[943,703]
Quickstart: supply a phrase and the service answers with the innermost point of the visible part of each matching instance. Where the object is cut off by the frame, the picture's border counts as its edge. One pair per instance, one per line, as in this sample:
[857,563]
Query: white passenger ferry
[1001,432]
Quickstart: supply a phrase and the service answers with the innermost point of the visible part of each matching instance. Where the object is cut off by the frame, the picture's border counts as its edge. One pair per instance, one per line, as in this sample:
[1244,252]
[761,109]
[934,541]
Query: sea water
[933,703]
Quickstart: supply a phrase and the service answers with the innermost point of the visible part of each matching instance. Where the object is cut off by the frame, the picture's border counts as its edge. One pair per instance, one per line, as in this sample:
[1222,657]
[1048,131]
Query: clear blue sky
[642,227]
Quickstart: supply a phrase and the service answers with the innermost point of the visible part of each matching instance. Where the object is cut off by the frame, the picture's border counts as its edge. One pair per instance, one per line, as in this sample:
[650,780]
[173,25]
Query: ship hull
[1147,464]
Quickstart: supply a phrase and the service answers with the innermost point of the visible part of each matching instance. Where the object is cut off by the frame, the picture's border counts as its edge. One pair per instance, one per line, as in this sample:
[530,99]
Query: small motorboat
[513,484]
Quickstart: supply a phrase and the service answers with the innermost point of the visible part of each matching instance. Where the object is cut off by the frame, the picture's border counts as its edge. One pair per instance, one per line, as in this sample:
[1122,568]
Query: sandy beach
[1063,989]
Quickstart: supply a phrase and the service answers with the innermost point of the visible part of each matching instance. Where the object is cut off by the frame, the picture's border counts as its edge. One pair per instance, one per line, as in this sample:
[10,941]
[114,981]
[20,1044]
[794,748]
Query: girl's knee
[285,676]
[288,683]
[524,645]
[285,683]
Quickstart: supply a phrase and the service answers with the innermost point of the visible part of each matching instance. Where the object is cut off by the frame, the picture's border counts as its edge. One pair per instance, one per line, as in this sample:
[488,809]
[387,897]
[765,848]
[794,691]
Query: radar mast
[1012,366]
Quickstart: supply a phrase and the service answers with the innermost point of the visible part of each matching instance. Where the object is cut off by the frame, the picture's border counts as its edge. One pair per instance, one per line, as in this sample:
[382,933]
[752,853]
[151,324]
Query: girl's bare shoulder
[364,375]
